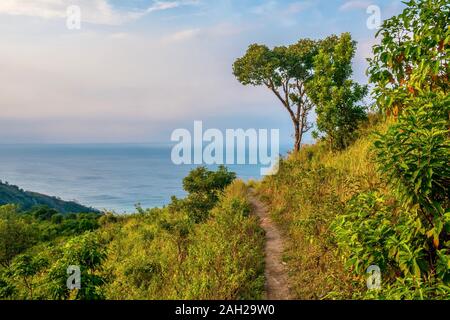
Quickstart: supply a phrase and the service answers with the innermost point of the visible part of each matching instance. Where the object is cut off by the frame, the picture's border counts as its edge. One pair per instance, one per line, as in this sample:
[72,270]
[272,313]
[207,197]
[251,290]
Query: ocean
[113,177]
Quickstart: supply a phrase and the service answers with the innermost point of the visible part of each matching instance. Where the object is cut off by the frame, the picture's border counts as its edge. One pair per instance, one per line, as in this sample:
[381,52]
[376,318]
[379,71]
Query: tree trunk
[298,138]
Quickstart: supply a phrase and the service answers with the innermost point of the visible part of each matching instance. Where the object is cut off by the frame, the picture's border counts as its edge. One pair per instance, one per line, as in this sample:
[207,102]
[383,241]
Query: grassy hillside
[10,194]
[340,217]
[206,246]
[311,189]
[159,254]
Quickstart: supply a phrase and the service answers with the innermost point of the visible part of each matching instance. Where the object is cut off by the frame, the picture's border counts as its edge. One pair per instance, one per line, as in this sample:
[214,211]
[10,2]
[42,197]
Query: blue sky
[138,69]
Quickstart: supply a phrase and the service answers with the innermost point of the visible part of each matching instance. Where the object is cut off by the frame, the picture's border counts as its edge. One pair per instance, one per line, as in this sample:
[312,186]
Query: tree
[284,70]
[43,212]
[25,268]
[335,95]
[15,235]
[203,187]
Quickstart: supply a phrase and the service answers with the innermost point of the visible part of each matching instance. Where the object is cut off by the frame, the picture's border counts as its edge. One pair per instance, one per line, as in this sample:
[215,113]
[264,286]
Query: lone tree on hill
[296,75]
[285,71]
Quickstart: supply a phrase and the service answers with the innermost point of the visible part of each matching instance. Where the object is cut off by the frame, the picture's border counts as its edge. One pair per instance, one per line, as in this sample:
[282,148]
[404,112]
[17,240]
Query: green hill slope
[10,194]
[340,217]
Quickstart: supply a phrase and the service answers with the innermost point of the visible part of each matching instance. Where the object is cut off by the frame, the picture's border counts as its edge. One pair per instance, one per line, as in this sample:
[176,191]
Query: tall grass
[157,255]
[311,189]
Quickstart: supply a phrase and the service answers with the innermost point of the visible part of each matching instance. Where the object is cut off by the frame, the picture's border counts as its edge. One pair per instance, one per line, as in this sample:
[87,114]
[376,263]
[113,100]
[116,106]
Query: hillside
[10,194]
[312,188]
[340,216]
[205,246]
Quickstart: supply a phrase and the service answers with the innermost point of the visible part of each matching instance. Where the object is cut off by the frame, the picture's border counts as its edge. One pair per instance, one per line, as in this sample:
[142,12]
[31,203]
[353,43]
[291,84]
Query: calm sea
[105,176]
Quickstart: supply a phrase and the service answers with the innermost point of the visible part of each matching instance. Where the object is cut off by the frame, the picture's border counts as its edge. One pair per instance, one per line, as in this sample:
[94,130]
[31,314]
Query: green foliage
[285,71]
[376,231]
[88,254]
[335,95]
[203,187]
[309,191]
[25,200]
[413,56]
[160,253]
[228,247]
[411,71]
[15,234]
[57,225]
[413,154]
[7,290]
[163,254]
[24,269]
[43,212]
[201,180]
[407,234]
[338,212]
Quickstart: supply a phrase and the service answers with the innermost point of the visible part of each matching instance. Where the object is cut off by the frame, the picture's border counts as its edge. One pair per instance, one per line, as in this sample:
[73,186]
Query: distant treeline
[10,194]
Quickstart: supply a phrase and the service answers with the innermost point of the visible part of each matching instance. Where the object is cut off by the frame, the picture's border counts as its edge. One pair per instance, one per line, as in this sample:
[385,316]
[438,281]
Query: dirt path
[277,285]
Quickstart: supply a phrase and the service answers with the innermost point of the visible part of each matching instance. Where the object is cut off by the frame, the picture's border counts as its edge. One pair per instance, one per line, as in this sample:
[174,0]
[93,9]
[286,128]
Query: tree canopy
[285,70]
[335,95]
[308,74]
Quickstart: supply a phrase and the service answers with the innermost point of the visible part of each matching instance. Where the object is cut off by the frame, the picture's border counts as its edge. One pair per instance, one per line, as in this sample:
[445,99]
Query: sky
[138,69]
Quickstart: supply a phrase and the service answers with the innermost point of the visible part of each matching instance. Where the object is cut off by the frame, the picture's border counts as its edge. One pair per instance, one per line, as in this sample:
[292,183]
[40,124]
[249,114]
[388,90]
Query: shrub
[203,187]
[375,230]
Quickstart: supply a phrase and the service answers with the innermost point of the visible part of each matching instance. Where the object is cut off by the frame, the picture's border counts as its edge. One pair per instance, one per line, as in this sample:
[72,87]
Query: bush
[203,187]
[88,254]
[376,231]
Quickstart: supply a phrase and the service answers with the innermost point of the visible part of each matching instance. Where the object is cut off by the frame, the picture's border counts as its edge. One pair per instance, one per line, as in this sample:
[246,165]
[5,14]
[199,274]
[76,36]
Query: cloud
[212,32]
[182,35]
[297,7]
[286,15]
[37,8]
[264,8]
[127,85]
[92,11]
[124,87]
[354,5]
[165,5]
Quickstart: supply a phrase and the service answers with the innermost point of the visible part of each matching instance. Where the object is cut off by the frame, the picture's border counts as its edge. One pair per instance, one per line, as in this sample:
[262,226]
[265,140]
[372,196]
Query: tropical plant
[408,233]
[413,56]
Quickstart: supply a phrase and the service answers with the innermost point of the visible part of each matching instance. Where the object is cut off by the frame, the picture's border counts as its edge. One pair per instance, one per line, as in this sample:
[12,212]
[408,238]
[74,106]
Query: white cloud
[297,7]
[265,8]
[286,15]
[92,11]
[212,32]
[124,87]
[182,35]
[38,8]
[354,5]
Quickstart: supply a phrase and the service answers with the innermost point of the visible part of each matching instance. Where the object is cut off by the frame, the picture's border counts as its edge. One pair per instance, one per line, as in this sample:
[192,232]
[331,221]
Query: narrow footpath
[277,283]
